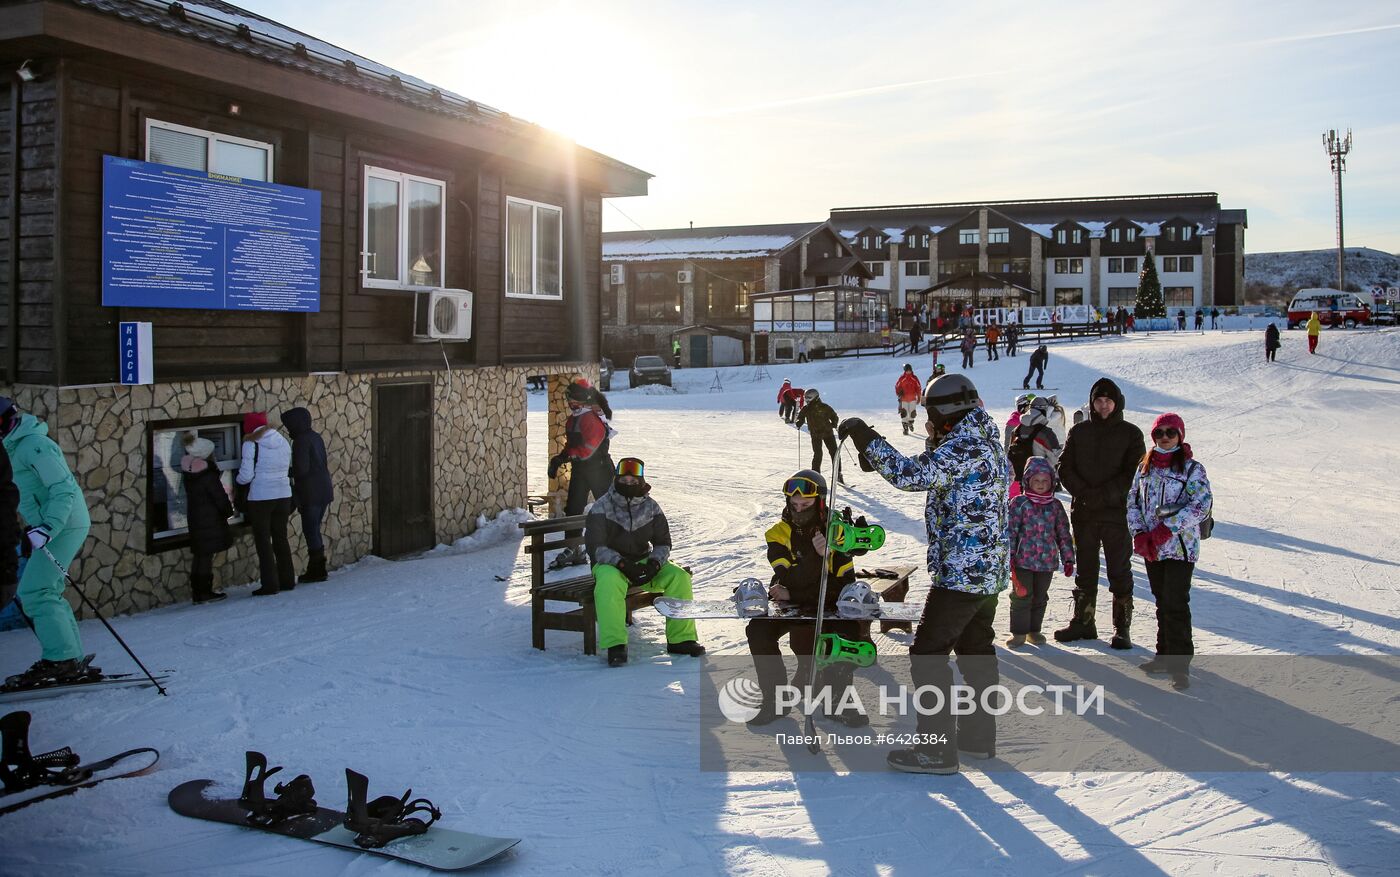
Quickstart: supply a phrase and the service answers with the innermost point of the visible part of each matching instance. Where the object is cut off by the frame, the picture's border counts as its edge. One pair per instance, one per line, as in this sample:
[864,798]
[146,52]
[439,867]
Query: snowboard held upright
[385,826]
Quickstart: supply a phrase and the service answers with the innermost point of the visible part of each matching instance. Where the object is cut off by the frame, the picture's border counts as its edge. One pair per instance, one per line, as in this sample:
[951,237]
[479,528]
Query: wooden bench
[895,592]
[546,536]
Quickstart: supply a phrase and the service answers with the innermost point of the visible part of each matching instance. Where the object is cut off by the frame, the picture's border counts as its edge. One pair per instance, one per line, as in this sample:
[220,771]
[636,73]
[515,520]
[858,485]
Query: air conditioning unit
[685,276]
[443,315]
[619,275]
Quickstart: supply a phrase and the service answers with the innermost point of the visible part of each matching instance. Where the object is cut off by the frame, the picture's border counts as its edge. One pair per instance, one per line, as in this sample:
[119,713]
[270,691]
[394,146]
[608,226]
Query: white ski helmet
[751,598]
[857,600]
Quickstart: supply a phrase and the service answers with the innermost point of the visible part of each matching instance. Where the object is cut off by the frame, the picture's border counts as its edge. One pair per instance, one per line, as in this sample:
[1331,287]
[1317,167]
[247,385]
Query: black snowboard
[440,849]
[125,764]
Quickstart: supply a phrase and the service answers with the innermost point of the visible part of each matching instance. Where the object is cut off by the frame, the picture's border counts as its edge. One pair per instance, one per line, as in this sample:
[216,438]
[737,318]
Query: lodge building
[299,226]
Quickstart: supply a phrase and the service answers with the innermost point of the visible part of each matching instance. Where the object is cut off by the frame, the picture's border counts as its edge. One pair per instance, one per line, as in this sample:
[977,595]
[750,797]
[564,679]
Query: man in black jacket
[629,543]
[797,548]
[821,423]
[311,487]
[1097,466]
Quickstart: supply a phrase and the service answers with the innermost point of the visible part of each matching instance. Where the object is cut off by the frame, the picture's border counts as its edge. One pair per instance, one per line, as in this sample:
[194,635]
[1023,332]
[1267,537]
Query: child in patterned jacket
[1040,543]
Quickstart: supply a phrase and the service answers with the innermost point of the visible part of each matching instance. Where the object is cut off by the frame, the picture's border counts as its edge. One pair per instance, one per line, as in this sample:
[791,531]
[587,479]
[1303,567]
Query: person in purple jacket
[1040,544]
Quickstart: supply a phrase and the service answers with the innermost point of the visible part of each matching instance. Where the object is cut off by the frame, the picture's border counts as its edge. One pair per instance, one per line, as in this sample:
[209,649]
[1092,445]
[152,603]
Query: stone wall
[479,456]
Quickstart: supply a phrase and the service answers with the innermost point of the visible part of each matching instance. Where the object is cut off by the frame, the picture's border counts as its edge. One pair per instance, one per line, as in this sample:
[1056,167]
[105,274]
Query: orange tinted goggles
[631,466]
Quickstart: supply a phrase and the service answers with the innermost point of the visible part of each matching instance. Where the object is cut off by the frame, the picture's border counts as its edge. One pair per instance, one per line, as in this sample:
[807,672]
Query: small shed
[704,346]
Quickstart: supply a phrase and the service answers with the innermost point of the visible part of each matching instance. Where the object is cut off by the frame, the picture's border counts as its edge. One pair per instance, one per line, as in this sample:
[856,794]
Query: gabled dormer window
[1132,233]
[1115,234]
[1077,235]
[1186,233]
[1060,235]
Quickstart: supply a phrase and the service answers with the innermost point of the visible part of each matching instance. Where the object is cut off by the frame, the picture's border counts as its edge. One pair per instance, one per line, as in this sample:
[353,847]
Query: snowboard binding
[20,769]
[386,818]
[834,649]
[854,536]
[296,798]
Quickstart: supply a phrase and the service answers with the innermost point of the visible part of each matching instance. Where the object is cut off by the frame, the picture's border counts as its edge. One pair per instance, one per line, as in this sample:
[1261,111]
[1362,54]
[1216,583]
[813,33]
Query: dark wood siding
[1124,247]
[1069,247]
[27,270]
[105,112]
[1178,247]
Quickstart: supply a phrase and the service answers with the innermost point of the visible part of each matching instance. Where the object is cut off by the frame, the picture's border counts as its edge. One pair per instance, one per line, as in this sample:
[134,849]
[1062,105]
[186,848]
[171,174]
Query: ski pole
[110,629]
[809,724]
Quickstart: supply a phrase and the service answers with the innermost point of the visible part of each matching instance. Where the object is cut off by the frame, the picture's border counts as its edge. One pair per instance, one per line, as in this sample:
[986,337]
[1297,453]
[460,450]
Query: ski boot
[617,656]
[689,647]
[923,760]
[296,798]
[1122,621]
[571,556]
[386,818]
[20,770]
[1081,626]
[44,673]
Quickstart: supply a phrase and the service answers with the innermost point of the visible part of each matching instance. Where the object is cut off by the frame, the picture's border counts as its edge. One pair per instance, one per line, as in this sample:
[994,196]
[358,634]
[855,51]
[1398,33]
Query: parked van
[1332,307]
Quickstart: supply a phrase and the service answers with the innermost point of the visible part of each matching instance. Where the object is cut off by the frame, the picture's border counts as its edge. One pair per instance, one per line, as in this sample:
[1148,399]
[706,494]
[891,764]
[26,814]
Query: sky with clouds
[750,112]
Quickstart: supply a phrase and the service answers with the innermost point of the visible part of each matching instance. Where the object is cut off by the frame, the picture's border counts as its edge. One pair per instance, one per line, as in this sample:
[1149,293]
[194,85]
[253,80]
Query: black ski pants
[962,623]
[819,439]
[1037,369]
[595,476]
[992,352]
[269,519]
[764,634]
[1269,354]
[1030,594]
[1117,544]
[967,359]
[787,410]
[1171,585]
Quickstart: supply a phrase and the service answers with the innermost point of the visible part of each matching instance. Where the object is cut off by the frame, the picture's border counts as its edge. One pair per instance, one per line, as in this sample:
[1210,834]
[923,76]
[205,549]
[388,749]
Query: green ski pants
[41,595]
[610,601]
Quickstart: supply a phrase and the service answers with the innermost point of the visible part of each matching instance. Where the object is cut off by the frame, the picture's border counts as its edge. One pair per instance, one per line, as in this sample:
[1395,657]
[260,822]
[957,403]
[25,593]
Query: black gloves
[555,462]
[640,571]
[861,435]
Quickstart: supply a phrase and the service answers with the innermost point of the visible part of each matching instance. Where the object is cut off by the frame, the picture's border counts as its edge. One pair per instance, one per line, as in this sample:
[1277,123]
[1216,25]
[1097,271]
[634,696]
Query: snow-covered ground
[420,672]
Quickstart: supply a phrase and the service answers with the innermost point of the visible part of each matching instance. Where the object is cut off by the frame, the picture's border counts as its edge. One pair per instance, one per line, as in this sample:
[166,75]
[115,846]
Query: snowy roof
[247,33]
[894,232]
[722,242]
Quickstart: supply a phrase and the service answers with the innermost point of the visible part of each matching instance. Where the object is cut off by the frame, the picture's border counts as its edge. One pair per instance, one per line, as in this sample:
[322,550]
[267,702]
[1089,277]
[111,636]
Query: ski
[113,680]
[440,849]
[131,763]
[670,607]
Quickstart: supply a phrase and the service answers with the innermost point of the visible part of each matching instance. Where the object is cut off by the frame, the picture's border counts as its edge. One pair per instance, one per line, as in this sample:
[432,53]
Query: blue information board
[179,238]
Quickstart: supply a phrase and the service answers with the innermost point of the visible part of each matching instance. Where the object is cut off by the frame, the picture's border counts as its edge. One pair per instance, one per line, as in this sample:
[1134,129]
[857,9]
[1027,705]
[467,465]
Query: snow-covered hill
[420,672]
[1292,270]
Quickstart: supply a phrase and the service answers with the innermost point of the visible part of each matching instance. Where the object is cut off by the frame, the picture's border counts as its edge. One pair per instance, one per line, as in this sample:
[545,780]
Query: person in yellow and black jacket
[796,550]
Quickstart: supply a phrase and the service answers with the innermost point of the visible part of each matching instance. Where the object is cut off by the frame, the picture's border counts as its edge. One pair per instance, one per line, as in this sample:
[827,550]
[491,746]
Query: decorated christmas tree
[1149,302]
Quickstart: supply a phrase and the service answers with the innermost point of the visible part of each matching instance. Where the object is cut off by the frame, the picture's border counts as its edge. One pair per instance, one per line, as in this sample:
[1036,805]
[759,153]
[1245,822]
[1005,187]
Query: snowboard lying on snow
[440,849]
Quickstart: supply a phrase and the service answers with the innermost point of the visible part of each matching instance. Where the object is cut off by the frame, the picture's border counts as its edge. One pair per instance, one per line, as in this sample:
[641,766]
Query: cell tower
[1337,149]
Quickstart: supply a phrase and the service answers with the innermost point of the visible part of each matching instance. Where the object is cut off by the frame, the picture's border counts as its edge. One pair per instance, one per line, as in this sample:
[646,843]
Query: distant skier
[1314,330]
[586,453]
[1271,342]
[820,419]
[1169,500]
[916,336]
[797,548]
[993,337]
[1181,320]
[786,402]
[53,506]
[1039,359]
[1200,320]
[909,391]
[966,478]
[968,347]
[1013,337]
[1214,318]
[629,542]
[1040,544]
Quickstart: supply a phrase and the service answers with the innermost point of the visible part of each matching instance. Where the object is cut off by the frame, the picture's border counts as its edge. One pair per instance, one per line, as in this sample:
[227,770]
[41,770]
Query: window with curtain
[404,230]
[193,148]
[534,249]
[1179,296]
[1125,296]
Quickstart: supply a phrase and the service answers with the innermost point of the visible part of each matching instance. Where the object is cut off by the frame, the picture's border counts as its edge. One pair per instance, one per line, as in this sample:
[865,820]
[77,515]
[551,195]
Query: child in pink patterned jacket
[1040,544]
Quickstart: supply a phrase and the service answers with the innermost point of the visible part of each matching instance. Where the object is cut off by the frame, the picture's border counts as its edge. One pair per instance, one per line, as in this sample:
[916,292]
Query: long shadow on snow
[1258,536]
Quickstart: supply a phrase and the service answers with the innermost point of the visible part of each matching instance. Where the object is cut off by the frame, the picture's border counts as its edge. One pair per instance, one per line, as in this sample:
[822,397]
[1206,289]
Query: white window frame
[1132,234]
[1186,233]
[1077,235]
[403,180]
[1114,234]
[534,250]
[998,235]
[211,137]
[1060,235]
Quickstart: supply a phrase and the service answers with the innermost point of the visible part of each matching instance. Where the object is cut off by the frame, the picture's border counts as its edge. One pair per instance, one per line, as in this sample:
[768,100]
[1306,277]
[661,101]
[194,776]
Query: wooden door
[403,469]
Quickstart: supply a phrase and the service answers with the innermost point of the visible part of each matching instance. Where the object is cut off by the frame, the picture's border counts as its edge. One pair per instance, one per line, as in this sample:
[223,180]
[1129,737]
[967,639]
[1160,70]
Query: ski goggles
[1168,432]
[802,486]
[631,466]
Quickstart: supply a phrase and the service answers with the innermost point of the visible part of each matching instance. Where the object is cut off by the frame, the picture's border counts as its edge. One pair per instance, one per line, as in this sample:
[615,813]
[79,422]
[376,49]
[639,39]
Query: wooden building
[658,283]
[419,190]
[1074,251]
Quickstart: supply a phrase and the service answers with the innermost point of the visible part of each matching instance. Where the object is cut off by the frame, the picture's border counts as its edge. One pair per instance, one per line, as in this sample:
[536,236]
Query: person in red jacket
[910,393]
[586,454]
[791,399]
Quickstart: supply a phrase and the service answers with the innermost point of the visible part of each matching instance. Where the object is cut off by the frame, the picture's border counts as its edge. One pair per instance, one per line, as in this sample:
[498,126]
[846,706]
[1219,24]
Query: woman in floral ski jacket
[1169,500]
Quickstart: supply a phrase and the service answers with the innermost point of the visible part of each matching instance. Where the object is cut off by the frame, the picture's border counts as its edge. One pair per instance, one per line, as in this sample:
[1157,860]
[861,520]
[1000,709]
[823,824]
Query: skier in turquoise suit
[56,515]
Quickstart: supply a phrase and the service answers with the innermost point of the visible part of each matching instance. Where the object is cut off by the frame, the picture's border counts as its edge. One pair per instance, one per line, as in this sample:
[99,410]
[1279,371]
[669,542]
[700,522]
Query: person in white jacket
[265,461]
